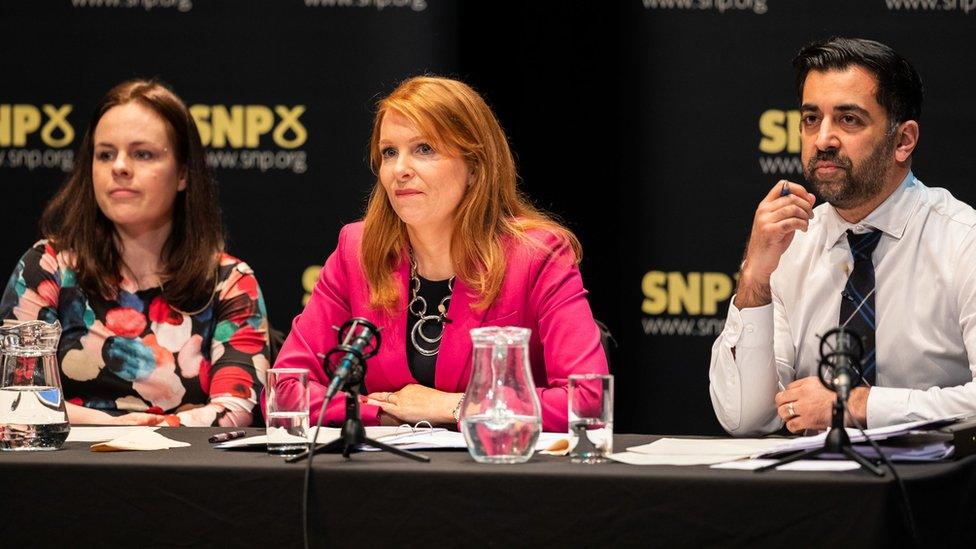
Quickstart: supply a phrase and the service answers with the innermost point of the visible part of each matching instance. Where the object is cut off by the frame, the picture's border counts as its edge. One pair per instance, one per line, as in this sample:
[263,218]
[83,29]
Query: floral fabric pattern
[136,353]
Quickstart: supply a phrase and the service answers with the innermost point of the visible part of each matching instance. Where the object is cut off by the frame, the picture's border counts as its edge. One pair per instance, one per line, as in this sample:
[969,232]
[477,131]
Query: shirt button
[750,328]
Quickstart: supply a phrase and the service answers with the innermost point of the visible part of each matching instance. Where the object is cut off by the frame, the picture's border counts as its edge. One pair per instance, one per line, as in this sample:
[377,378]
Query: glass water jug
[32,409]
[501,417]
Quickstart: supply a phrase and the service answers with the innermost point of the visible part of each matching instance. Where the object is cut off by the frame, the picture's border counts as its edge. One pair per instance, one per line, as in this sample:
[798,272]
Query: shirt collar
[891,216]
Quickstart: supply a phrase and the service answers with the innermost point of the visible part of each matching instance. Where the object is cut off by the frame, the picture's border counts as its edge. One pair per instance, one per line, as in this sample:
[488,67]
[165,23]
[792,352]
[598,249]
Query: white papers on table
[694,451]
[636,458]
[412,439]
[878,433]
[439,438]
[926,452]
[100,434]
[741,447]
[798,465]
[419,439]
[689,451]
[146,439]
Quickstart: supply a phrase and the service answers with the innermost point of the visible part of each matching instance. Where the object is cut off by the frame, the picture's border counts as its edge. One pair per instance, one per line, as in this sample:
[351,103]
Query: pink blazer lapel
[454,358]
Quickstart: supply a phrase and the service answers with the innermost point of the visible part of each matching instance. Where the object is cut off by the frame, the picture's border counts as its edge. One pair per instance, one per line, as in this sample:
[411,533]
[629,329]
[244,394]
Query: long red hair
[455,119]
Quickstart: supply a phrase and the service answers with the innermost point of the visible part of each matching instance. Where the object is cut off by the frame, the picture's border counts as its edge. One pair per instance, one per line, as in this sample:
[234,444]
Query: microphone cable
[906,506]
[356,351]
[854,355]
[308,475]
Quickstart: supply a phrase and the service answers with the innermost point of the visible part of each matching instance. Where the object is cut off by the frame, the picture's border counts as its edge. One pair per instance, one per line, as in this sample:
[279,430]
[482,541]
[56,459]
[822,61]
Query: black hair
[899,86]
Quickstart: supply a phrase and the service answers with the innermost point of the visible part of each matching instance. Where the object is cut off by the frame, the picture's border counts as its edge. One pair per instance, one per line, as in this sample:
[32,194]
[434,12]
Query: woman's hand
[416,403]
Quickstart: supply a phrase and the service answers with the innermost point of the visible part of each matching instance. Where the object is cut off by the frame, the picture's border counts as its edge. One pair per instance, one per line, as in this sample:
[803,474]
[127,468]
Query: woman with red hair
[447,244]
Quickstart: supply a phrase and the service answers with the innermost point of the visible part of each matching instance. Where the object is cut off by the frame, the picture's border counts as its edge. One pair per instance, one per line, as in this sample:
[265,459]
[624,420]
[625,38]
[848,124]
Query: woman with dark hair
[160,326]
[447,244]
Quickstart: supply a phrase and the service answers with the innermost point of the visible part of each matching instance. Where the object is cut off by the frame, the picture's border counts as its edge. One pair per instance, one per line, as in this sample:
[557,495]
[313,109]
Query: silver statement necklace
[418,308]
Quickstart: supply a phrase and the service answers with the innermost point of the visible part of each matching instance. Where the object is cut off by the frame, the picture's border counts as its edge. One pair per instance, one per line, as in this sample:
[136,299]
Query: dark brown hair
[73,221]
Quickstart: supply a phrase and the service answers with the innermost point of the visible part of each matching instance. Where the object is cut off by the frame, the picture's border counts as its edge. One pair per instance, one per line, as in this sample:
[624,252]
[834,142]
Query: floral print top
[136,353]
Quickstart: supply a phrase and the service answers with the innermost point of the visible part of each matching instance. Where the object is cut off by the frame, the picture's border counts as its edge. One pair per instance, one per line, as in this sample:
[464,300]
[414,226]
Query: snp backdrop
[651,127]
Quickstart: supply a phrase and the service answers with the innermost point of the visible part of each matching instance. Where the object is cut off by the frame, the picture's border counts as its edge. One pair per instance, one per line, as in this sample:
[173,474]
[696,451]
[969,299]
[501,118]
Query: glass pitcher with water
[501,417]
[32,410]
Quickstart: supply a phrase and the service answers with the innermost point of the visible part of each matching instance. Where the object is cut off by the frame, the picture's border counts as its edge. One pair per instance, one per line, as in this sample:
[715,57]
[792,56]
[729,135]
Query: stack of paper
[695,451]
[928,452]
[798,465]
[689,451]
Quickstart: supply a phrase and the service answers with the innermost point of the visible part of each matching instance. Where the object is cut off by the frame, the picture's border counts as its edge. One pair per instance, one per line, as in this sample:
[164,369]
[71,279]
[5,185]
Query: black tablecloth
[199,496]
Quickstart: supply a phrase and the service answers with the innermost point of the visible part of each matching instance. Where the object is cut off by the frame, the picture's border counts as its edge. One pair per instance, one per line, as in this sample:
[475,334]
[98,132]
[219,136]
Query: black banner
[652,127]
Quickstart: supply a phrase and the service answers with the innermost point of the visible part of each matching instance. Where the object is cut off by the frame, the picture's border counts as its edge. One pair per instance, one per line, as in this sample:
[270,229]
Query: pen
[230,435]
[785,191]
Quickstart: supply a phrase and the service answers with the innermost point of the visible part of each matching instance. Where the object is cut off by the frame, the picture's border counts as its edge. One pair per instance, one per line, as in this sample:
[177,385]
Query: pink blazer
[542,290]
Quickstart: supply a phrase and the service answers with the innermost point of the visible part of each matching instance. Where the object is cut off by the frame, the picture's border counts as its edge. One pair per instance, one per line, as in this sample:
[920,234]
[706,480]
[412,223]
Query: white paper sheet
[637,458]
[146,439]
[733,448]
[101,434]
[799,465]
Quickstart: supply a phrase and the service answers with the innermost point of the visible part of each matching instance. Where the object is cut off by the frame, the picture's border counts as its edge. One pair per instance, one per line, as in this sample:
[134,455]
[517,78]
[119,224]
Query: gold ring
[790,410]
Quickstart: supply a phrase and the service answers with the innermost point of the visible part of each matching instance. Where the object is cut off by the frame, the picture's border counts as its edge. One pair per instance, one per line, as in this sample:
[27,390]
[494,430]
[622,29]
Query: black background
[637,126]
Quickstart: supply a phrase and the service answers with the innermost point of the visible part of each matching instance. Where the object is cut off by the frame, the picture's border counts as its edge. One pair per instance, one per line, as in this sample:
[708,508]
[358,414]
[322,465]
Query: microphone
[842,368]
[839,362]
[359,340]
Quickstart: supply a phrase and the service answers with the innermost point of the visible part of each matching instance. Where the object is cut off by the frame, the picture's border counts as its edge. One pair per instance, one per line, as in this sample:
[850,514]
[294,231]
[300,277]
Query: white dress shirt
[925,300]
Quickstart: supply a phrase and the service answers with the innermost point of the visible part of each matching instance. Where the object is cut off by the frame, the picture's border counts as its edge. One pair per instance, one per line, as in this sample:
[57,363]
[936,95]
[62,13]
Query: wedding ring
[790,410]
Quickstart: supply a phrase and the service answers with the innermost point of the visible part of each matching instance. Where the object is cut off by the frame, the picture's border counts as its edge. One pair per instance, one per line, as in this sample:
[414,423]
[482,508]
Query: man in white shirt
[885,254]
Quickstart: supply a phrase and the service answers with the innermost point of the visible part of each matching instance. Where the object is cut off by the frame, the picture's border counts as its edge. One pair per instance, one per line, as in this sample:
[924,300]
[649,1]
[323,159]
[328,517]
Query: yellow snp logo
[780,131]
[692,293]
[309,278]
[19,121]
[243,126]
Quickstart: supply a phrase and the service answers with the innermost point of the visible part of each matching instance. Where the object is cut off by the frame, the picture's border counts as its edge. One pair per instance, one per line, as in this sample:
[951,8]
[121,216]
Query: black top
[422,367]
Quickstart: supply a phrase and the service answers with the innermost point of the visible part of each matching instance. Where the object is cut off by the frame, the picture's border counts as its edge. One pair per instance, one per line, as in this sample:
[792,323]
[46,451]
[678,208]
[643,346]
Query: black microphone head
[358,329]
[841,353]
[359,340]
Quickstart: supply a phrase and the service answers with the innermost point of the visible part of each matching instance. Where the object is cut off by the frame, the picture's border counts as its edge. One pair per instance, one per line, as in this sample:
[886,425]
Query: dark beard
[860,183]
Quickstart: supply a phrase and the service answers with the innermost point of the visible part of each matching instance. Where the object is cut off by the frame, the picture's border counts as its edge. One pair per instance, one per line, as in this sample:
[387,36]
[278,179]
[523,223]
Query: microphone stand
[353,433]
[837,441]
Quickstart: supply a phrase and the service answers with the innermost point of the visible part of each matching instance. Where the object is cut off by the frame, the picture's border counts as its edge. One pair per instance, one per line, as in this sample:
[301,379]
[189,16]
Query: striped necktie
[857,300]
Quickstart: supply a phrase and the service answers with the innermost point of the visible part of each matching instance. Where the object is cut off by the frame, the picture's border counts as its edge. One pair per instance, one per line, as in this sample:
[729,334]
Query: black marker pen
[230,435]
